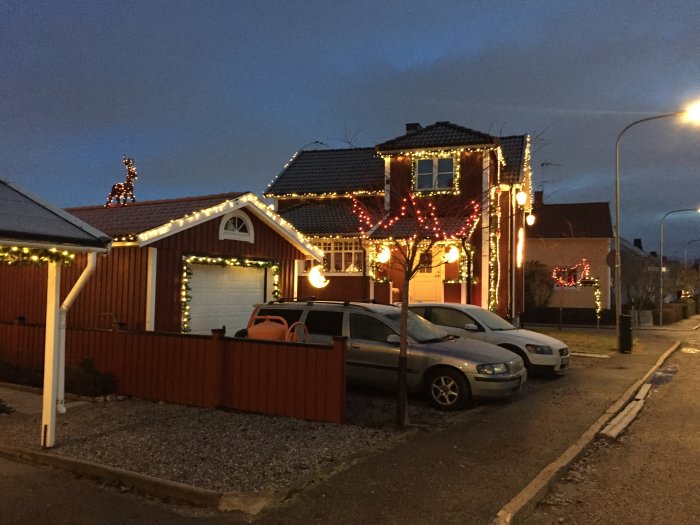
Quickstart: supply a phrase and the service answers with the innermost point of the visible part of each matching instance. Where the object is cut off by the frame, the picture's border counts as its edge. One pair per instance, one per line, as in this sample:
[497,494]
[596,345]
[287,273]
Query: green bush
[19,375]
[86,380]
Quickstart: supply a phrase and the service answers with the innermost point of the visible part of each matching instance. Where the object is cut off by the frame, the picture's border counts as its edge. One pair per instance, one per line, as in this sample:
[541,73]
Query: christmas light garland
[576,276]
[16,255]
[189,260]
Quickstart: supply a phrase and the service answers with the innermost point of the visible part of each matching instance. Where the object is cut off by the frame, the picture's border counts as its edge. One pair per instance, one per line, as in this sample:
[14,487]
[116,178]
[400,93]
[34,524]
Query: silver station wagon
[449,370]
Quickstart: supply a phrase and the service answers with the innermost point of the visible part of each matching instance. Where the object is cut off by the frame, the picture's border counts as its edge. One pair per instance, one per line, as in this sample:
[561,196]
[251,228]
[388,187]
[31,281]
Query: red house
[180,265]
[349,202]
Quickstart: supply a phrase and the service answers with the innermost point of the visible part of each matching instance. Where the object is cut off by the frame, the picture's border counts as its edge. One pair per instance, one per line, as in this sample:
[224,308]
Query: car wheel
[447,389]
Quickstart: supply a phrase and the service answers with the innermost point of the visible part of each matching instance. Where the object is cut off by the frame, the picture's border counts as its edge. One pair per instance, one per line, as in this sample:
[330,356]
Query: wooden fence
[304,381]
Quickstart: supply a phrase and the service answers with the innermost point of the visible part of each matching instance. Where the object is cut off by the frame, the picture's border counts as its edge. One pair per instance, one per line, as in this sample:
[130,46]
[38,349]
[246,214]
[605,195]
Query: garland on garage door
[189,260]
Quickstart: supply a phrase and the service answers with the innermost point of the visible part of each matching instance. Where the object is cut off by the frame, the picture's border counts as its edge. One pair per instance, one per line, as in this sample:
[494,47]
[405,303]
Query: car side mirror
[471,327]
[393,339]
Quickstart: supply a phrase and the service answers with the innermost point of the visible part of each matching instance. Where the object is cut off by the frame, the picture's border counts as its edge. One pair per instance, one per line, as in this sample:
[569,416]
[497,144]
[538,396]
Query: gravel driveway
[215,449]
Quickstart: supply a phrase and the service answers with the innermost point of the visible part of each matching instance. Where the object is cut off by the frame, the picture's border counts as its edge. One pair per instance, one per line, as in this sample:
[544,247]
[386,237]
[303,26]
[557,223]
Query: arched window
[236,226]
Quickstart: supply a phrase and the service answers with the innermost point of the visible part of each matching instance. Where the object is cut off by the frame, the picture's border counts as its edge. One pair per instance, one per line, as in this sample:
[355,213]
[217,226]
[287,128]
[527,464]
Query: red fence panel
[270,377]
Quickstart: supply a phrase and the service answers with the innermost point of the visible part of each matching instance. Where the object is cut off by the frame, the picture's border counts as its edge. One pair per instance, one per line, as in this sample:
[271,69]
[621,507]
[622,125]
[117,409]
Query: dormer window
[434,174]
[236,226]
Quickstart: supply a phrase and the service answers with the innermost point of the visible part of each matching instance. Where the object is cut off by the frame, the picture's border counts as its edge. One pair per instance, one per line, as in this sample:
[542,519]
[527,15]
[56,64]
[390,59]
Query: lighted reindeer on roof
[123,191]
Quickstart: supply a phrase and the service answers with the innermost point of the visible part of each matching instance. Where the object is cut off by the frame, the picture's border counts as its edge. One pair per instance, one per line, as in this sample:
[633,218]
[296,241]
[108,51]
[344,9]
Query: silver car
[540,352]
[450,370]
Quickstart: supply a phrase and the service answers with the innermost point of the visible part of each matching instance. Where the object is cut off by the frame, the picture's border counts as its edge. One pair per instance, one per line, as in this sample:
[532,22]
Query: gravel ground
[214,449]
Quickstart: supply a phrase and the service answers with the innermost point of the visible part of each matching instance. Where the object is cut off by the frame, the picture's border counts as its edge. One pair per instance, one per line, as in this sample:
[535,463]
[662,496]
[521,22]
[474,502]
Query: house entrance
[426,285]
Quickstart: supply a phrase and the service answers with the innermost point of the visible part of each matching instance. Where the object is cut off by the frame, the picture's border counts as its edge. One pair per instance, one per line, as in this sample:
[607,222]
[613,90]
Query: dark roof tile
[514,149]
[326,217]
[438,135]
[340,171]
[579,220]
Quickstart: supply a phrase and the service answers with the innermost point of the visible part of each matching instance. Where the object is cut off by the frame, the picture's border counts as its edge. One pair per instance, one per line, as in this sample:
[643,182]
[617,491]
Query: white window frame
[332,249]
[225,234]
[436,173]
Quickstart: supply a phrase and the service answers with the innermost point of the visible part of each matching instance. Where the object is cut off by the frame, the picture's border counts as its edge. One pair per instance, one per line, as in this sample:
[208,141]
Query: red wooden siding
[276,378]
[351,288]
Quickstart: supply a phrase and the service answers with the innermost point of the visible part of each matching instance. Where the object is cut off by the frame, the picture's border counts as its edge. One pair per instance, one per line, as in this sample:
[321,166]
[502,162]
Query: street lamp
[661,259]
[691,114]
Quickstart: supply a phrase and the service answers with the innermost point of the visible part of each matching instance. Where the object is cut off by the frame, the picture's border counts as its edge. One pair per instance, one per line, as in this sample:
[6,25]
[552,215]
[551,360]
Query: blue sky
[213,96]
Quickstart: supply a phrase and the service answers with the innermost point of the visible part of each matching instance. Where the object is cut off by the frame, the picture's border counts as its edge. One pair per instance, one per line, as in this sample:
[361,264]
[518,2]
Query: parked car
[540,352]
[450,370]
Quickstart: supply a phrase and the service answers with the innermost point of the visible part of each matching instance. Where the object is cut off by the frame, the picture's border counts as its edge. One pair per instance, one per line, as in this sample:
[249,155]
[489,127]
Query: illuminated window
[426,263]
[340,255]
[435,174]
[236,226]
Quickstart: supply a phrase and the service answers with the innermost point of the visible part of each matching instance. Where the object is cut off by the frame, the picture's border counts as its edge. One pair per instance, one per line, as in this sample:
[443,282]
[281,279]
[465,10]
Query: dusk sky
[216,96]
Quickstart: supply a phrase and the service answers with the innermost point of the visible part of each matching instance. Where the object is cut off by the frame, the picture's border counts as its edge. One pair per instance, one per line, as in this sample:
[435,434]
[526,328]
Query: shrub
[19,375]
[87,380]
[4,409]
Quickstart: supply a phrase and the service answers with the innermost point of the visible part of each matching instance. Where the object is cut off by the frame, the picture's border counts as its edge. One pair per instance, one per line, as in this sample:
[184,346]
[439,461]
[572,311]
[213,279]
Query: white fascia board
[72,248]
[247,200]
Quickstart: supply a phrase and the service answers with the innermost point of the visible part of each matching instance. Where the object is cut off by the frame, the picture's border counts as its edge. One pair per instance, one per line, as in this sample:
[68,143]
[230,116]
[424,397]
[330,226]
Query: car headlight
[498,368]
[539,349]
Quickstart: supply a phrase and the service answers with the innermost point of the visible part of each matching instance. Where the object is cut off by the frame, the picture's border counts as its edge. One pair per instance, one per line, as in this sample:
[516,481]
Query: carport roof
[27,220]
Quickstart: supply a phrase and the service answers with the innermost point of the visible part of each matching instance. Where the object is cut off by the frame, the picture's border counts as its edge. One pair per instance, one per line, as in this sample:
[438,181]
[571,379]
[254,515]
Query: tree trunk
[402,395]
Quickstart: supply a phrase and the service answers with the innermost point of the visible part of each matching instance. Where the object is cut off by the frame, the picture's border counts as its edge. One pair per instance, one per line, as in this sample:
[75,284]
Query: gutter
[62,311]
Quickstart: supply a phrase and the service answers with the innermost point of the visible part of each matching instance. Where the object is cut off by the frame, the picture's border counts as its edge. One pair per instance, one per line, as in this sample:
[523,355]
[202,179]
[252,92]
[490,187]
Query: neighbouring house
[573,242]
[182,265]
[350,203]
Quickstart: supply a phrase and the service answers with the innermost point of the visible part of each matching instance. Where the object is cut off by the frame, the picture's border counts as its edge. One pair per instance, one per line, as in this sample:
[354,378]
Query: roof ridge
[227,195]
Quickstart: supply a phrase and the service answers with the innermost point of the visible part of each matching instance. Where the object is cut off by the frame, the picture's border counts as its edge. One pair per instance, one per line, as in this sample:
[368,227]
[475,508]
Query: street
[462,474]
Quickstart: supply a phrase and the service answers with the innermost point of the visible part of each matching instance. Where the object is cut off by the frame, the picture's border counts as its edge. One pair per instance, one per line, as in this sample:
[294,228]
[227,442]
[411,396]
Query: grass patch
[588,342]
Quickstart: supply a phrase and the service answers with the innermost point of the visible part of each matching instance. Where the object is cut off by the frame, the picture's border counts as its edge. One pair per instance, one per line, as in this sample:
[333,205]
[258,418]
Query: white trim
[485,229]
[228,235]
[248,201]
[387,183]
[298,266]
[151,289]
[71,248]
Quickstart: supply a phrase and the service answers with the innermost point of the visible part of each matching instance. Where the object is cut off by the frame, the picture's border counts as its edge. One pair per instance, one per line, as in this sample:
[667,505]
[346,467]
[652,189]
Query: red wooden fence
[297,380]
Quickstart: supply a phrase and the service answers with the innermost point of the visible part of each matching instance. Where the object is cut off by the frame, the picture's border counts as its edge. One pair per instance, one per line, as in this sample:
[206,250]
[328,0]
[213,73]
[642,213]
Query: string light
[16,255]
[123,191]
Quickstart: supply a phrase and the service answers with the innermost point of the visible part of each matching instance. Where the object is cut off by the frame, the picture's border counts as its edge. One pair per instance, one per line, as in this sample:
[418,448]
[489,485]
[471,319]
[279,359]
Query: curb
[524,502]
[248,502]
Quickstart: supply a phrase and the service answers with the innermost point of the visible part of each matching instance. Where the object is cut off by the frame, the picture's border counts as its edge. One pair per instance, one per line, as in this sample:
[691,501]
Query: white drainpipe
[70,299]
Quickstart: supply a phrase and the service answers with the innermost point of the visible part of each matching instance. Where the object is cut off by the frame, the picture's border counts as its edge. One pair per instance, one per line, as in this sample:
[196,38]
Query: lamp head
[691,114]
[521,198]
[530,220]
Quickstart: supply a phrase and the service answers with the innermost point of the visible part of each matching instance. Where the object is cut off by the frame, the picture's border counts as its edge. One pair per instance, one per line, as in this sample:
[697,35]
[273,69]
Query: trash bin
[625,342]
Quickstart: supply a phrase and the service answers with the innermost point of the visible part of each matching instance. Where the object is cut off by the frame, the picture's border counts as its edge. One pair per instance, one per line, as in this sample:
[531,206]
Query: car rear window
[290,315]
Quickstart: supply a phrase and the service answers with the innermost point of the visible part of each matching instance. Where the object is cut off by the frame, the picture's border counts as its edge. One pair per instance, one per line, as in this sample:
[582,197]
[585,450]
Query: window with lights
[340,255]
[434,174]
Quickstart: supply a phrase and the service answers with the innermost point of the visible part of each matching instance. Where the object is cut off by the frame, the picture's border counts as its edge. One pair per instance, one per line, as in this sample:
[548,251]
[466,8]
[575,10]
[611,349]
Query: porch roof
[27,219]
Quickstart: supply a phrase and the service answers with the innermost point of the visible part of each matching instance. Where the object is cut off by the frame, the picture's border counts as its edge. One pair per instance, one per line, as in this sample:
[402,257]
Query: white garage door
[223,296]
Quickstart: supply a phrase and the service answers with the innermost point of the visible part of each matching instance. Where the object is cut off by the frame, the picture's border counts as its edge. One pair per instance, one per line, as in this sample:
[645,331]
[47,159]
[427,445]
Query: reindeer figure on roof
[122,191]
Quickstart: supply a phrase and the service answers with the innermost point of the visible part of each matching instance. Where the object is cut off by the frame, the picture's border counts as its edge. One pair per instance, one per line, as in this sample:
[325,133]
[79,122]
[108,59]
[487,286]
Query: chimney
[638,244]
[539,200]
[412,127]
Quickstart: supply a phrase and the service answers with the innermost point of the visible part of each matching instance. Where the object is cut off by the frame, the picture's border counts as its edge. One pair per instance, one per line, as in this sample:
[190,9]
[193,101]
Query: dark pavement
[462,474]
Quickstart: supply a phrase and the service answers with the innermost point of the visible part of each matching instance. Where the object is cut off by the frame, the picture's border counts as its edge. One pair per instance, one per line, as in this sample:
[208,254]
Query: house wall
[568,252]
[340,288]
[115,293]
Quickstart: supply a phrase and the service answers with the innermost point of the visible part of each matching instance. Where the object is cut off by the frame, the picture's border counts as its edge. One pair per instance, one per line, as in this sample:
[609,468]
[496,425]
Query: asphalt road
[462,474]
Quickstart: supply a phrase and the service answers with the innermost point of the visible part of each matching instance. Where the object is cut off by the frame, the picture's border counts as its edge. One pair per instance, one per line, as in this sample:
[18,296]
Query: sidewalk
[462,473]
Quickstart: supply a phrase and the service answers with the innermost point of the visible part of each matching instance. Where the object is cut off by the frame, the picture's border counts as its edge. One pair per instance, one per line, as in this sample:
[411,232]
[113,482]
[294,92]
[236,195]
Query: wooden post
[51,354]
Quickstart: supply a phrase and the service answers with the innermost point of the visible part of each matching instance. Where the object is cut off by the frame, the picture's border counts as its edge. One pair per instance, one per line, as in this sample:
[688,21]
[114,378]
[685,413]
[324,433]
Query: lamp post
[685,255]
[690,114]
[661,259]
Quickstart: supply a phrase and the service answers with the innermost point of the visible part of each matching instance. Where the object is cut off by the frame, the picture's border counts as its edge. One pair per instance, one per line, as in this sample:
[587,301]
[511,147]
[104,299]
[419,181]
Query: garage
[224,296]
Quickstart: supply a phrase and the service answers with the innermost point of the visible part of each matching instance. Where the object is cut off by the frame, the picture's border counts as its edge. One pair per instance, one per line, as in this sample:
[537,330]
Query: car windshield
[421,330]
[490,320]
